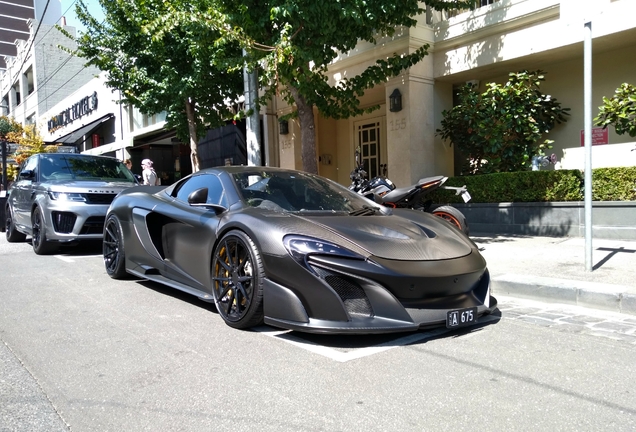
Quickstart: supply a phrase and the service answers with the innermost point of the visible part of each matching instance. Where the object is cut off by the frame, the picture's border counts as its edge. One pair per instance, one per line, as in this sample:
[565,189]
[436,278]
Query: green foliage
[608,184]
[499,130]
[614,184]
[189,64]
[28,138]
[619,111]
[293,42]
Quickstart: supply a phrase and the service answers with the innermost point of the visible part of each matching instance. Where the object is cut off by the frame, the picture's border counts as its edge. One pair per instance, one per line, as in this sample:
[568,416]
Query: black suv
[63,197]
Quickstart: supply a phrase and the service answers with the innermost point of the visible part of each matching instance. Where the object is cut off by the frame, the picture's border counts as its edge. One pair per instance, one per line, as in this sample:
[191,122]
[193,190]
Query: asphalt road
[82,352]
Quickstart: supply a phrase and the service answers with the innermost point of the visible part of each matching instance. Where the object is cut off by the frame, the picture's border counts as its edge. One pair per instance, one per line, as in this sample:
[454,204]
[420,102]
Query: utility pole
[587,102]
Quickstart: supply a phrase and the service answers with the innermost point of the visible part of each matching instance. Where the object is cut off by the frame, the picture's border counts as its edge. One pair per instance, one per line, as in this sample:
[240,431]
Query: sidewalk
[553,269]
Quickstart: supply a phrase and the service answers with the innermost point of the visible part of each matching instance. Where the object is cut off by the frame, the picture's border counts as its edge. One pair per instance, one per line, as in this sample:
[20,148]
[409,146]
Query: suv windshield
[82,167]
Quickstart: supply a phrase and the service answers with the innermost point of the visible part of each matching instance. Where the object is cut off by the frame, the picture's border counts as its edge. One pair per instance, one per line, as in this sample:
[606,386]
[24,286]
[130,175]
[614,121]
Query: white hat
[146,162]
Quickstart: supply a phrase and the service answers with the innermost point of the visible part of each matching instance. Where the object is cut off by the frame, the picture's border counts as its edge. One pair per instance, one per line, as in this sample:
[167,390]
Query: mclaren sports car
[297,251]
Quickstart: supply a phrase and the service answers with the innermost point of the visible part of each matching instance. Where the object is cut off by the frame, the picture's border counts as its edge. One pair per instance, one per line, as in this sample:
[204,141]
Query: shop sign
[76,111]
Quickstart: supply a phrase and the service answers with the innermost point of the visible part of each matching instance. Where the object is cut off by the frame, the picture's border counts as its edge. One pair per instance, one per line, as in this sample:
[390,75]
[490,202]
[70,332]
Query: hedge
[608,184]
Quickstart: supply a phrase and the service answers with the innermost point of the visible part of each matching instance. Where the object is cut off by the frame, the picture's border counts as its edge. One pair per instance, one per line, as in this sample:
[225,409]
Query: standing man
[148,174]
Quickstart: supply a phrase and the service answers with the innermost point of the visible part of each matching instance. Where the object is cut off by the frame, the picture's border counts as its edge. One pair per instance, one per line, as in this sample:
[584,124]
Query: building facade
[479,46]
[41,74]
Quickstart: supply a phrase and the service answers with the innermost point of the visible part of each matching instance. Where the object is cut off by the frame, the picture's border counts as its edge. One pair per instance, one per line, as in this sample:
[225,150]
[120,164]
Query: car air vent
[63,222]
[92,198]
[352,295]
[94,225]
[426,231]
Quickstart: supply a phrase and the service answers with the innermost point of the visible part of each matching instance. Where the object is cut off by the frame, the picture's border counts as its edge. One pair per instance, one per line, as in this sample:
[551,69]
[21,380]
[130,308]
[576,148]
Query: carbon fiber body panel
[404,269]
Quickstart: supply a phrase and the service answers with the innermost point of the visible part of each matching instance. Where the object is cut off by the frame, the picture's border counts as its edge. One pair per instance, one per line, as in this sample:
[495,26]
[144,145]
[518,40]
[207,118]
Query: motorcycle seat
[421,181]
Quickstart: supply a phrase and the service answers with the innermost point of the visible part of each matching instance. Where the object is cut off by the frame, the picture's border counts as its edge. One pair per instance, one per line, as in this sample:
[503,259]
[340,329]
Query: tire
[452,216]
[12,234]
[41,246]
[237,281]
[113,249]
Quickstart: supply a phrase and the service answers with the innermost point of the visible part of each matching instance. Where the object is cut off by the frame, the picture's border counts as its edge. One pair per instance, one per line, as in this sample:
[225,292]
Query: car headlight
[300,248]
[67,196]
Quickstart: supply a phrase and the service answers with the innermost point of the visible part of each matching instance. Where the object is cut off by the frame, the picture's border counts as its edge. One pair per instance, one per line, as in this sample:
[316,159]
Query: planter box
[610,219]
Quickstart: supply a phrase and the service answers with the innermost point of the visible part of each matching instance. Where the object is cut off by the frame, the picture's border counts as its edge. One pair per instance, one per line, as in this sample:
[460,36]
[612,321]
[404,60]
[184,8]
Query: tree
[619,111]
[499,130]
[294,41]
[28,139]
[185,72]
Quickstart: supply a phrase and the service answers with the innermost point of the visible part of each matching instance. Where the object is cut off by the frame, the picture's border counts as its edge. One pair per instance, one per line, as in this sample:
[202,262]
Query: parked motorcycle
[383,191]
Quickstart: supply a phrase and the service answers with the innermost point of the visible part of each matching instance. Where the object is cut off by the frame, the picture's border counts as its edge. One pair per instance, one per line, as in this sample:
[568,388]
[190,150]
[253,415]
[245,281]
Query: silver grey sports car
[297,251]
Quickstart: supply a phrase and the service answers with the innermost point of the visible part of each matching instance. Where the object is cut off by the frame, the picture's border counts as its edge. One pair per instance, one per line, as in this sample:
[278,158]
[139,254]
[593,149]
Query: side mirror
[27,175]
[199,198]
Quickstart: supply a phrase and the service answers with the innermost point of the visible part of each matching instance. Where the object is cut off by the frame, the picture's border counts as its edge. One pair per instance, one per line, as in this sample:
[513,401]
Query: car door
[21,194]
[189,233]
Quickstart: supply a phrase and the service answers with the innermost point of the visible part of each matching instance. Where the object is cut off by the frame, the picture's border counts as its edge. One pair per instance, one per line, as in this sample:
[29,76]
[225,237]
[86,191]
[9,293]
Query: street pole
[4,166]
[587,90]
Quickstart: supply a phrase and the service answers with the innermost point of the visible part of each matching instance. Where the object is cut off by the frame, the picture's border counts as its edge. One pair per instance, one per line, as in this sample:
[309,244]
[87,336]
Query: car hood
[87,186]
[417,237]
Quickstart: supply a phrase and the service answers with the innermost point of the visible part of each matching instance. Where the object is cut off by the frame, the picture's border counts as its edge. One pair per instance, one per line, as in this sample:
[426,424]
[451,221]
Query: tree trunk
[192,129]
[307,132]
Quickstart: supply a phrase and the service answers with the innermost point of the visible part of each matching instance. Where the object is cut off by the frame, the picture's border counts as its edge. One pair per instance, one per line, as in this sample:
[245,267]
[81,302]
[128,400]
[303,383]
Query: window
[216,194]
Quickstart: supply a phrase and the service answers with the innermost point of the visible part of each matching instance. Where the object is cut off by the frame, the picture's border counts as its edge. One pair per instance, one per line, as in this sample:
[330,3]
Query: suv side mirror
[27,175]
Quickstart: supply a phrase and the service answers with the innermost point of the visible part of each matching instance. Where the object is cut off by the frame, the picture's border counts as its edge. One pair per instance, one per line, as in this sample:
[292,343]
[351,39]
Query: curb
[615,298]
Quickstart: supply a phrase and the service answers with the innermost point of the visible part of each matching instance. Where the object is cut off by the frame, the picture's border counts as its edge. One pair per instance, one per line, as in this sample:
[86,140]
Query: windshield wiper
[364,211]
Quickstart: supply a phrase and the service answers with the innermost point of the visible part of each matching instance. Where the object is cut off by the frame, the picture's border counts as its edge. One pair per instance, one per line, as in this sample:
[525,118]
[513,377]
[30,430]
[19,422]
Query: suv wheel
[12,234]
[41,245]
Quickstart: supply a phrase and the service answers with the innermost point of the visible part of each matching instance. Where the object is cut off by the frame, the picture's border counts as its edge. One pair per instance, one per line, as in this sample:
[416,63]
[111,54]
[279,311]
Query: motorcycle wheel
[452,216]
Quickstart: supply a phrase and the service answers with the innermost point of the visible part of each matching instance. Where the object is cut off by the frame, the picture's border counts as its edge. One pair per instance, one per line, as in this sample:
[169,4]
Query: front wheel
[453,216]
[237,280]
[41,246]
[113,249]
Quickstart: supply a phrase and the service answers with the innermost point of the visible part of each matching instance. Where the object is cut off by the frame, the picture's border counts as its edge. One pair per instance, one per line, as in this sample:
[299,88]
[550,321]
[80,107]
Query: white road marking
[72,259]
[357,353]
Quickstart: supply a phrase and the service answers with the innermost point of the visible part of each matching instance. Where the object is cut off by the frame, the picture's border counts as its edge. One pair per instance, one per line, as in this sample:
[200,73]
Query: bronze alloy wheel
[236,278]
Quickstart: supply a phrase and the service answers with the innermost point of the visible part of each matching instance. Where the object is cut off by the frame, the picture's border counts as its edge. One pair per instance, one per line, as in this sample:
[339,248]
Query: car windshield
[76,167]
[296,192]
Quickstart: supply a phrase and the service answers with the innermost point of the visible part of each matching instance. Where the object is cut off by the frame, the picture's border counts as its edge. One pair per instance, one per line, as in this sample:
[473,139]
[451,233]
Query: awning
[76,135]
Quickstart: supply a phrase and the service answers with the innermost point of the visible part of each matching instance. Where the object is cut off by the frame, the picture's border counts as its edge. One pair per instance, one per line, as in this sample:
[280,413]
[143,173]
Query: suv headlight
[300,247]
[67,196]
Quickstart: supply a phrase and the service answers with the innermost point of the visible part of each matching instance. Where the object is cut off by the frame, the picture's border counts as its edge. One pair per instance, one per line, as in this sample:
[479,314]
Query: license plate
[461,317]
[466,196]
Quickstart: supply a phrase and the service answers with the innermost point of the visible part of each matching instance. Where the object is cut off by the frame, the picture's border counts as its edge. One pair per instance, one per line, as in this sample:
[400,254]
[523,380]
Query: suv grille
[63,222]
[99,198]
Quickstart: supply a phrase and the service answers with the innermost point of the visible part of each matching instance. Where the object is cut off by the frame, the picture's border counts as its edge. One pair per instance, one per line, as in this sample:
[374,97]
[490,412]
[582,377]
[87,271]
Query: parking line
[70,260]
[354,353]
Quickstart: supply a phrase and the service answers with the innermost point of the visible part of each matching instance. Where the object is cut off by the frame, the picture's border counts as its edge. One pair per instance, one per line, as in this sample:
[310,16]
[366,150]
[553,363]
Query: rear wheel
[453,216]
[12,234]
[113,249]
[237,278]
[41,245]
